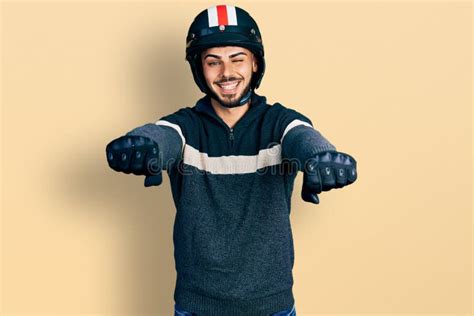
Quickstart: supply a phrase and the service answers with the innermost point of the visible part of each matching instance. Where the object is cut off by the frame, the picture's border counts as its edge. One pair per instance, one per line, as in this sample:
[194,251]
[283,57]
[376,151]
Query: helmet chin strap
[246,97]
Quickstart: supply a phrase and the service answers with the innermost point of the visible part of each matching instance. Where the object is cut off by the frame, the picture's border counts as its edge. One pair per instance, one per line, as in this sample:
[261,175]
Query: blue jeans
[178,311]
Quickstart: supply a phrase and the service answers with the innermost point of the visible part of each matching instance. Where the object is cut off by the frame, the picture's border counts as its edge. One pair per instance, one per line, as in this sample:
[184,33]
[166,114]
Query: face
[228,71]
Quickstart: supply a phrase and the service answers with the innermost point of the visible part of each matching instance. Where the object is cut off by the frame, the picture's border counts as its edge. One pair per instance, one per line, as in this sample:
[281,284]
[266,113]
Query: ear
[254,63]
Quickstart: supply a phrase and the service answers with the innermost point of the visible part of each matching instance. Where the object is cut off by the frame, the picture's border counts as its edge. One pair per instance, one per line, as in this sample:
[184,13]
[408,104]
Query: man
[232,160]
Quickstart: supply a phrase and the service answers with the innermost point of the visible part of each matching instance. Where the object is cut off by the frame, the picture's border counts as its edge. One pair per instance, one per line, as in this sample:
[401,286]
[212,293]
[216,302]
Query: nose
[227,69]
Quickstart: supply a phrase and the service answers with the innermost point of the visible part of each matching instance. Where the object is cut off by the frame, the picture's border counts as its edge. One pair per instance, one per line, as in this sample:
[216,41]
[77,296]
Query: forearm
[168,137]
[303,142]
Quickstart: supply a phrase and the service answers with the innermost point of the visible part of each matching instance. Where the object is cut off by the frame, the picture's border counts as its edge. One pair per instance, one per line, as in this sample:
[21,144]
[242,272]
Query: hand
[136,154]
[326,171]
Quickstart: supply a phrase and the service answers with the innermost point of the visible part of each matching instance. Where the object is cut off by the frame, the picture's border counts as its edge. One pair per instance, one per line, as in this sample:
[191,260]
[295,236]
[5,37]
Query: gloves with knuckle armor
[326,171]
[135,154]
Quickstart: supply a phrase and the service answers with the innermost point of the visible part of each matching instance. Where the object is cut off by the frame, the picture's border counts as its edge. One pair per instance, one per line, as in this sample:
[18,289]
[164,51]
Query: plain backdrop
[387,82]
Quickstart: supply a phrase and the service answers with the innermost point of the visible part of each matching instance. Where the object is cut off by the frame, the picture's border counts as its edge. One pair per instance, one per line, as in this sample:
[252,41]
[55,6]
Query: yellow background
[388,82]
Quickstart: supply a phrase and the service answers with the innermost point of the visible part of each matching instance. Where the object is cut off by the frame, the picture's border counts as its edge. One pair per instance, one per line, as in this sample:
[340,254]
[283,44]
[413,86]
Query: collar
[257,103]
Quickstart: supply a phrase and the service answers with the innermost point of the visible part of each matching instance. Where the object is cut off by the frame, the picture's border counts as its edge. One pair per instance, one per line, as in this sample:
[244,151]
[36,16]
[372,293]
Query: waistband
[209,306]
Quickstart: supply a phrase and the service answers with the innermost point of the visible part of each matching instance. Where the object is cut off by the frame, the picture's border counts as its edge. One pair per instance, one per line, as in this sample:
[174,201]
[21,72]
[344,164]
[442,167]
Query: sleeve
[299,139]
[167,133]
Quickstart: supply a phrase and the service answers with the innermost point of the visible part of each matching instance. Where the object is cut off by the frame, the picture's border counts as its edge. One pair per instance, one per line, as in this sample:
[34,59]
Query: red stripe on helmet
[222,15]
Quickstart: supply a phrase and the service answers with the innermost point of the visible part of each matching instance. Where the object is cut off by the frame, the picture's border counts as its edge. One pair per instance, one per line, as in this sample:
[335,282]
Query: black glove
[138,155]
[326,171]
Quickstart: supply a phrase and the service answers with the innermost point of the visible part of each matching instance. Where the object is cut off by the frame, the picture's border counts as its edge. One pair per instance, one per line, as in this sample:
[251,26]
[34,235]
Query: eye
[237,60]
[213,63]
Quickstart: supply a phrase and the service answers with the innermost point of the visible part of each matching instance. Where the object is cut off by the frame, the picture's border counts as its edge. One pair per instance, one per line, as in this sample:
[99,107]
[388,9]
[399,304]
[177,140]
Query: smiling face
[228,71]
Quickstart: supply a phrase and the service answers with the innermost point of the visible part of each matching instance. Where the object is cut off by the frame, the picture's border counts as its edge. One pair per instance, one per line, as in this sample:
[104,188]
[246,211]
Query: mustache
[228,79]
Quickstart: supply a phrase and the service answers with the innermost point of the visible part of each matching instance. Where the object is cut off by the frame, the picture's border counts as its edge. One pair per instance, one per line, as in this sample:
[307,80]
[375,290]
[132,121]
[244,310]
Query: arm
[324,168]
[169,138]
[148,149]
[300,141]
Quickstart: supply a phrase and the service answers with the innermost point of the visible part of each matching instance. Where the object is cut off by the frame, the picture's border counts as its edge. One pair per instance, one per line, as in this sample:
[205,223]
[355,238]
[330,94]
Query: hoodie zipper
[231,134]
[231,137]
[230,131]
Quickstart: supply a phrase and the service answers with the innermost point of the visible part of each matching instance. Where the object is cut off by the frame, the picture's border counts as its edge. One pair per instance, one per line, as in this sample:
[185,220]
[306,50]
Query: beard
[231,101]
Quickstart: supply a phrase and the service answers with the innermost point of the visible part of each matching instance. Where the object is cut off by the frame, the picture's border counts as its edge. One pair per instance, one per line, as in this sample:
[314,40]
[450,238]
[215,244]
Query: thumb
[309,196]
[153,180]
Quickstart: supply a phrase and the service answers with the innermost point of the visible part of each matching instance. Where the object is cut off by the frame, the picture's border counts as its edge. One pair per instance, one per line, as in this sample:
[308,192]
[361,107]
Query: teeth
[227,86]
